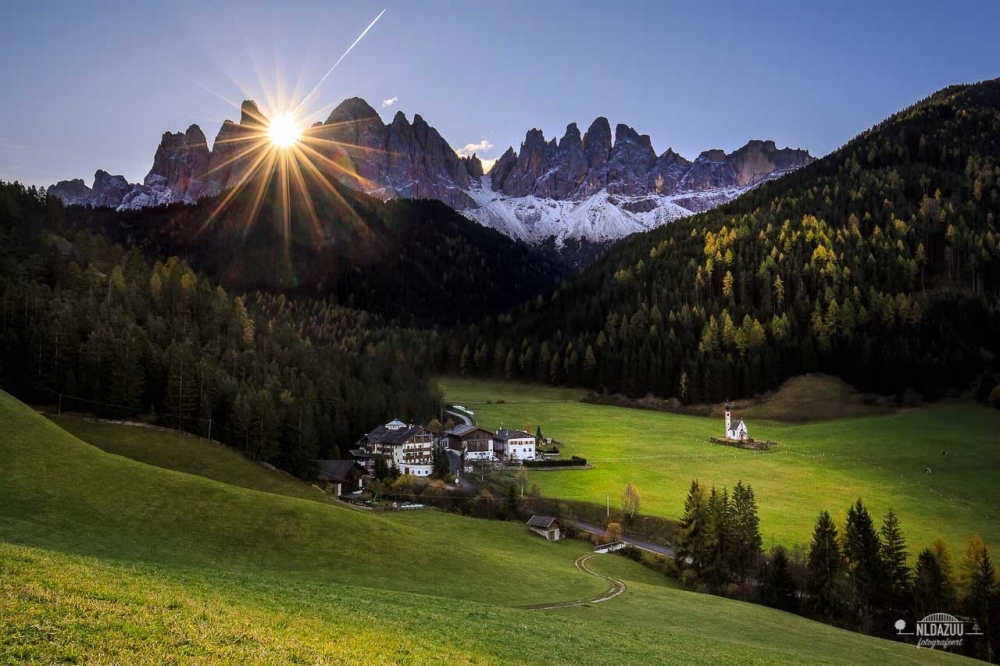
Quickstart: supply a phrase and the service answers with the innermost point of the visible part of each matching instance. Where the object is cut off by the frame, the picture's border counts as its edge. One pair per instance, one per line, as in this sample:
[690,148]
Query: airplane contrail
[330,71]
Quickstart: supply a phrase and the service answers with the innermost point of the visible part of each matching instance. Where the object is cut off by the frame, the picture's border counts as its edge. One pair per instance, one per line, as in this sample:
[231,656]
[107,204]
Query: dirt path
[615,589]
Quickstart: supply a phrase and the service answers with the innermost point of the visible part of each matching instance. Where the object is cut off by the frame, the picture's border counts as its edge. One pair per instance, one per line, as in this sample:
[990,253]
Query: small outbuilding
[547,526]
[343,476]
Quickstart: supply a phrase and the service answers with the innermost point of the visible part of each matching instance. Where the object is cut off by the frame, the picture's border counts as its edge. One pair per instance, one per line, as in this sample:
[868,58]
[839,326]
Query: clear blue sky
[94,85]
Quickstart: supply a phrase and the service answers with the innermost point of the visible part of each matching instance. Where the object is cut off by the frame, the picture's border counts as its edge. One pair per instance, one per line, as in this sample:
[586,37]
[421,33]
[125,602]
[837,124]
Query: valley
[196,569]
[817,466]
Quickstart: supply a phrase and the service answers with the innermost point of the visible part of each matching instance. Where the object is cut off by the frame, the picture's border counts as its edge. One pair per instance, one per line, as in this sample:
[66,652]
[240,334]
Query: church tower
[728,426]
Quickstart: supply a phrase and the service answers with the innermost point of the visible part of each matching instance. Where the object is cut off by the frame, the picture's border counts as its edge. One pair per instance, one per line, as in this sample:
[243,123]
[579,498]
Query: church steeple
[728,428]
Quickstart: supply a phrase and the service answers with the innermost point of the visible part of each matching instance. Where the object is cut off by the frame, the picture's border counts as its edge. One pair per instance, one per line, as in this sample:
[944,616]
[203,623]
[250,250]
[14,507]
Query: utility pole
[60,404]
[609,506]
[210,428]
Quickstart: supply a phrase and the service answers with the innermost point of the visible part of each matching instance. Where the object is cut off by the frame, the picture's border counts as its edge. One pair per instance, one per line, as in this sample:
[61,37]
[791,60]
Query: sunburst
[277,144]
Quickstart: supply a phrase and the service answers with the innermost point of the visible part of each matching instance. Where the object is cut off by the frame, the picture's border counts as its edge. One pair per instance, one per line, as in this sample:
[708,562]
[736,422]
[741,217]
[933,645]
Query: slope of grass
[186,453]
[825,465]
[61,608]
[108,560]
[807,398]
[62,494]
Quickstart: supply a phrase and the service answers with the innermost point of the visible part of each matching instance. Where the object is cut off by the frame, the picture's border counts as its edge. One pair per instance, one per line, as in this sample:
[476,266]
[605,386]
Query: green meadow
[821,465]
[105,559]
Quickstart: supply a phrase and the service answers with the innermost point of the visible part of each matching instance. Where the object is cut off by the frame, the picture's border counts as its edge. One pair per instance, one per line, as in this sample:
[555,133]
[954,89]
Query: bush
[575,461]
[995,397]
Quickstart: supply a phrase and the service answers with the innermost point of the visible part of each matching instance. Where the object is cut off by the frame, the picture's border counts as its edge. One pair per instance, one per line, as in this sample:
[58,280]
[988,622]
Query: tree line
[854,574]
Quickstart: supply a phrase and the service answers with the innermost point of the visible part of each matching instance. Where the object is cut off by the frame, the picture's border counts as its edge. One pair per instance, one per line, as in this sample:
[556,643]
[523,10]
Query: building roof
[544,522]
[503,434]
[338,470]
[465,429]
[360,453]
[393,436]
[395,424]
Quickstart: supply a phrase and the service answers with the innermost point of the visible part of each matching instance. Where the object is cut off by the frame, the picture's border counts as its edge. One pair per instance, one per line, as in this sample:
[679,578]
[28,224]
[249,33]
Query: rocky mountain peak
[353,109]
[250,114]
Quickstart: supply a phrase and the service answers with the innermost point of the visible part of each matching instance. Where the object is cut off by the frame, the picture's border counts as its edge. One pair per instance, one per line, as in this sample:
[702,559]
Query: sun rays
[279,147]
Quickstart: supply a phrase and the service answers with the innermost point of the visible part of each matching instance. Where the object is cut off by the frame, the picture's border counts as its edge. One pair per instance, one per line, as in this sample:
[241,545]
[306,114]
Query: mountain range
[590,188]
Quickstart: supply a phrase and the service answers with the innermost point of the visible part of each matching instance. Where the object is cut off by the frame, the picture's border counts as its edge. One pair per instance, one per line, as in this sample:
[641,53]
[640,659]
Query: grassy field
[186,453]
[824,465]
[108,560]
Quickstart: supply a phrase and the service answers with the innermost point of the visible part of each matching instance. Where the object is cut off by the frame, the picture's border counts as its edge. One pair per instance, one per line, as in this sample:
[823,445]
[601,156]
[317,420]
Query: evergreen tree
[863,553]
[694,541]
[825,566]
[779,590]
[929,586]
[896,578]
[745,543]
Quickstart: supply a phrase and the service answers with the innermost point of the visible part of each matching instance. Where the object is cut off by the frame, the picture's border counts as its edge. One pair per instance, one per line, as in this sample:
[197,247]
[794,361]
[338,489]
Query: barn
[547,526]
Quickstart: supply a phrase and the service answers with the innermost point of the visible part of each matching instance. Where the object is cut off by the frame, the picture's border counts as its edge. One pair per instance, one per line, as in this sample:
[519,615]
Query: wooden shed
[546,526]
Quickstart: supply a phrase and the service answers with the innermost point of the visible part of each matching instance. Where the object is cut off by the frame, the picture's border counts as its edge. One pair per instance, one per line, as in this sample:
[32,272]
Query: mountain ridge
[595,187]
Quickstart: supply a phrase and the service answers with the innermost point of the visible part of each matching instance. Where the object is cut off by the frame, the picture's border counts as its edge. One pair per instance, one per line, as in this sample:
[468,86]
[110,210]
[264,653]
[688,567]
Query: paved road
[615,589]
[465,419]
[638,543]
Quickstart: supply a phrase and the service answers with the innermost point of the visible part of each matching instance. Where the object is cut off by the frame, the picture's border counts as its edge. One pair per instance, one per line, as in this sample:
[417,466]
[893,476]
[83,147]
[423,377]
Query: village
[453,453]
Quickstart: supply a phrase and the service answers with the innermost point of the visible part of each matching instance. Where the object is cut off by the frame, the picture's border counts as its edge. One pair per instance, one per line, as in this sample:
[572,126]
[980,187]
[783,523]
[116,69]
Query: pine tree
[746,542]
[779,588]
[825,566]
[864,562]
[694,540]
[896,579]
[981,595]
[928,586]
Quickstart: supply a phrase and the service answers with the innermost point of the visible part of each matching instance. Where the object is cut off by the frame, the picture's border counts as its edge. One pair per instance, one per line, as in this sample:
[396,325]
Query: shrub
[995,397]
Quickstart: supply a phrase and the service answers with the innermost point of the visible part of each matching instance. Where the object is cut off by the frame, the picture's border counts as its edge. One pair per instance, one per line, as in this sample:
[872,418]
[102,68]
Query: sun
[284,132]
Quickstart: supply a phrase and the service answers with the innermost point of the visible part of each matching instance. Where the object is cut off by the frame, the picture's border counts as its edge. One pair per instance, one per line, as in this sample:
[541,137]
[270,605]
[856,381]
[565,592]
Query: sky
[89,86]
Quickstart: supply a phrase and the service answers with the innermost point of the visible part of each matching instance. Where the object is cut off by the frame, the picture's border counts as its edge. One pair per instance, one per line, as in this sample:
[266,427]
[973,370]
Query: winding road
[464,417]
[615,589]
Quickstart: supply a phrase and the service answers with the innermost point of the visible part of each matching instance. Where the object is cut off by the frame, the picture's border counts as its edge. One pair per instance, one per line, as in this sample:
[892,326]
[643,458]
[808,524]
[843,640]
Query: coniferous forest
[879,263]
[101,329]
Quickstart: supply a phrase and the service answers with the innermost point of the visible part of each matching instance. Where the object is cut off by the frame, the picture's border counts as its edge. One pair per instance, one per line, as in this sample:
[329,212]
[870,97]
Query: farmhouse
[514,444]
[344,476]
[546,526]
[474,442]
[739,431]
[410,447]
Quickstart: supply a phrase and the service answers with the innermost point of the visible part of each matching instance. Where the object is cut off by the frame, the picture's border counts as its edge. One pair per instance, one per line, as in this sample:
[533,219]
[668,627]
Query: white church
[738,433]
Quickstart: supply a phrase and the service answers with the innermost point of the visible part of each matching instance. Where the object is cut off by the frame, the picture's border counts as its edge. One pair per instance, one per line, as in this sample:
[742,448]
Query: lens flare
[277,144]
[284,132]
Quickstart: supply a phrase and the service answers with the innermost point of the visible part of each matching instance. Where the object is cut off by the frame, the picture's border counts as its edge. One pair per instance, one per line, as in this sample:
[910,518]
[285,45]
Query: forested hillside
[410,260]
[879,263]
[119,336]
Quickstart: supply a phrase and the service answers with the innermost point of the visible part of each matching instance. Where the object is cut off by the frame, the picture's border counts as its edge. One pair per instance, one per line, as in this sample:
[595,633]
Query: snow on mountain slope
[600,218]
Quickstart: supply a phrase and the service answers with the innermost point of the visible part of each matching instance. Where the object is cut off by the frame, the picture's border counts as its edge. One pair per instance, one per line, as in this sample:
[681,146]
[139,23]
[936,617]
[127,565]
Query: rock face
[108,190]
[595,187]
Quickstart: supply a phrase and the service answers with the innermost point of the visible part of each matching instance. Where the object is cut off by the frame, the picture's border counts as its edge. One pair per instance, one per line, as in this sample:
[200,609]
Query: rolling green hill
[105,559]
[184,452]
[824,465]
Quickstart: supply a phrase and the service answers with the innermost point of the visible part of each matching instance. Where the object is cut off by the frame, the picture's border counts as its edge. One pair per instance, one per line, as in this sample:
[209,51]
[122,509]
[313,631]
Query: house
[345,476]
[546,526]
[514,444]
[739,432]
[410,447]
[474,442]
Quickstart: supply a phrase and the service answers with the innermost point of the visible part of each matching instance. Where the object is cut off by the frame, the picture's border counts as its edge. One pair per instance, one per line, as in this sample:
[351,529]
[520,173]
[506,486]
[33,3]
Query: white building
[514,444]
[410,447]
[737,432]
